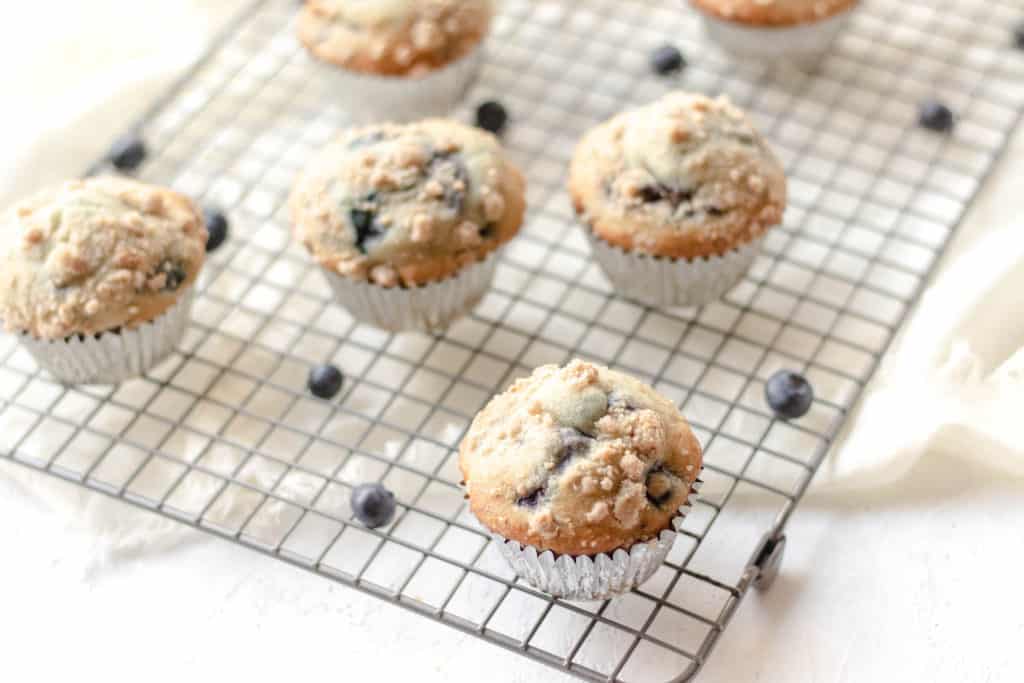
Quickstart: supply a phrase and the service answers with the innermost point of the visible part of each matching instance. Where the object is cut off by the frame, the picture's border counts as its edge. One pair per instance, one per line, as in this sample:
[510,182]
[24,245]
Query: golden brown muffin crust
[405,205]
[684,177]
[393,37]
[579,460]
[93,255]
[773,12]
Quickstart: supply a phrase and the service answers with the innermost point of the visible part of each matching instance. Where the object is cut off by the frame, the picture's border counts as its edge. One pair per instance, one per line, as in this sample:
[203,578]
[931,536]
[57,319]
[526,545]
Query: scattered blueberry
[1018,35]
[128,153]
[373,505]
[325,381]
[217,226]
[936,116]
[790,395]
[667,59]
[492,117]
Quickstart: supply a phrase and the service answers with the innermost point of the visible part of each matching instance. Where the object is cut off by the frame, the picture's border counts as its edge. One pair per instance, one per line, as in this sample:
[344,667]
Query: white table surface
[915,581]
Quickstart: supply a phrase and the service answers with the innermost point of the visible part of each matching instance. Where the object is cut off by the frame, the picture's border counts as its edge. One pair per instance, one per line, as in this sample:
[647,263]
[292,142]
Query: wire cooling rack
[225,438]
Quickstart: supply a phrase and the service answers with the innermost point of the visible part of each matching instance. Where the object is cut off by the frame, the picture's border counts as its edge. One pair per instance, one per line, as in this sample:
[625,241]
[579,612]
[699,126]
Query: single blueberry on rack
[936,116]
[127,153]
[492,117]
[216,226]
[666,60]
[789,394]
[373,505]
[325,381]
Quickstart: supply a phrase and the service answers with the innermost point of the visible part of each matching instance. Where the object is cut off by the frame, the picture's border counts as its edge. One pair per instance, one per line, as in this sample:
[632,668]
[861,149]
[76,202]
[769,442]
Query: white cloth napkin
[955,382]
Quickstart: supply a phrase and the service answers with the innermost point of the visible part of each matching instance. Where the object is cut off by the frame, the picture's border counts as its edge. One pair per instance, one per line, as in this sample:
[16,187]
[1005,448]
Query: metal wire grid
[224,437]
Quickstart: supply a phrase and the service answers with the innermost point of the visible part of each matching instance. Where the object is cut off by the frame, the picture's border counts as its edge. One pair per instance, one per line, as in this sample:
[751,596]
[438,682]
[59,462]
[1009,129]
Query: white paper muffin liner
[430,308]
[665,282]
[367,98]
[113,357]
[593,577]
[802,42]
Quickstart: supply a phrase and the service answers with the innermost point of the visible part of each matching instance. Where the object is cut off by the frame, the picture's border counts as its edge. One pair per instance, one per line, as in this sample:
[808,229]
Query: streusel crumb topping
[406,205]
[393,37]
[579,460]
[97,254]
[686,176]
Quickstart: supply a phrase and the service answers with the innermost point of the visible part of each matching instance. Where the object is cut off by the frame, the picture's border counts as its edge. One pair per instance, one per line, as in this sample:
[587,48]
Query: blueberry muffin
[97,276]
[676,196]
[774,28]
[396,60]
[580,461]
[404,219]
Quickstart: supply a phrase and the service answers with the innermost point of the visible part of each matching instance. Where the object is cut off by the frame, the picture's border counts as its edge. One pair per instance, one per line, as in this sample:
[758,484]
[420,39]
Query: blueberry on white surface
[325,381]
[216,226]
[1018,35]
[128,153]
[492,117]
[373,505]
[936,116]
[789,394]
[667,59]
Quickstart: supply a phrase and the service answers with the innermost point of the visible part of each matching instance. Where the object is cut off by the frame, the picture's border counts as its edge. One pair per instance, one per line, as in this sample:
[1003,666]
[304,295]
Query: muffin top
[393,37]
[93,255]
[773,12]
[404,205]
[579,460]
[684,177]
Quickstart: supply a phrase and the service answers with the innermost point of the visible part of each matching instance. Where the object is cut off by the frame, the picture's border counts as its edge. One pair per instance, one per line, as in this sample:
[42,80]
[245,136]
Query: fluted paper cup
[801,42]
[593,577]
[113,357]
[665,282]
[369,98]
[430,308]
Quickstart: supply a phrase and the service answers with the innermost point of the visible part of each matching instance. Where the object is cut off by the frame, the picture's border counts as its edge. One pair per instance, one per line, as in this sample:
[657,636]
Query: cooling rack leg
[769,561]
